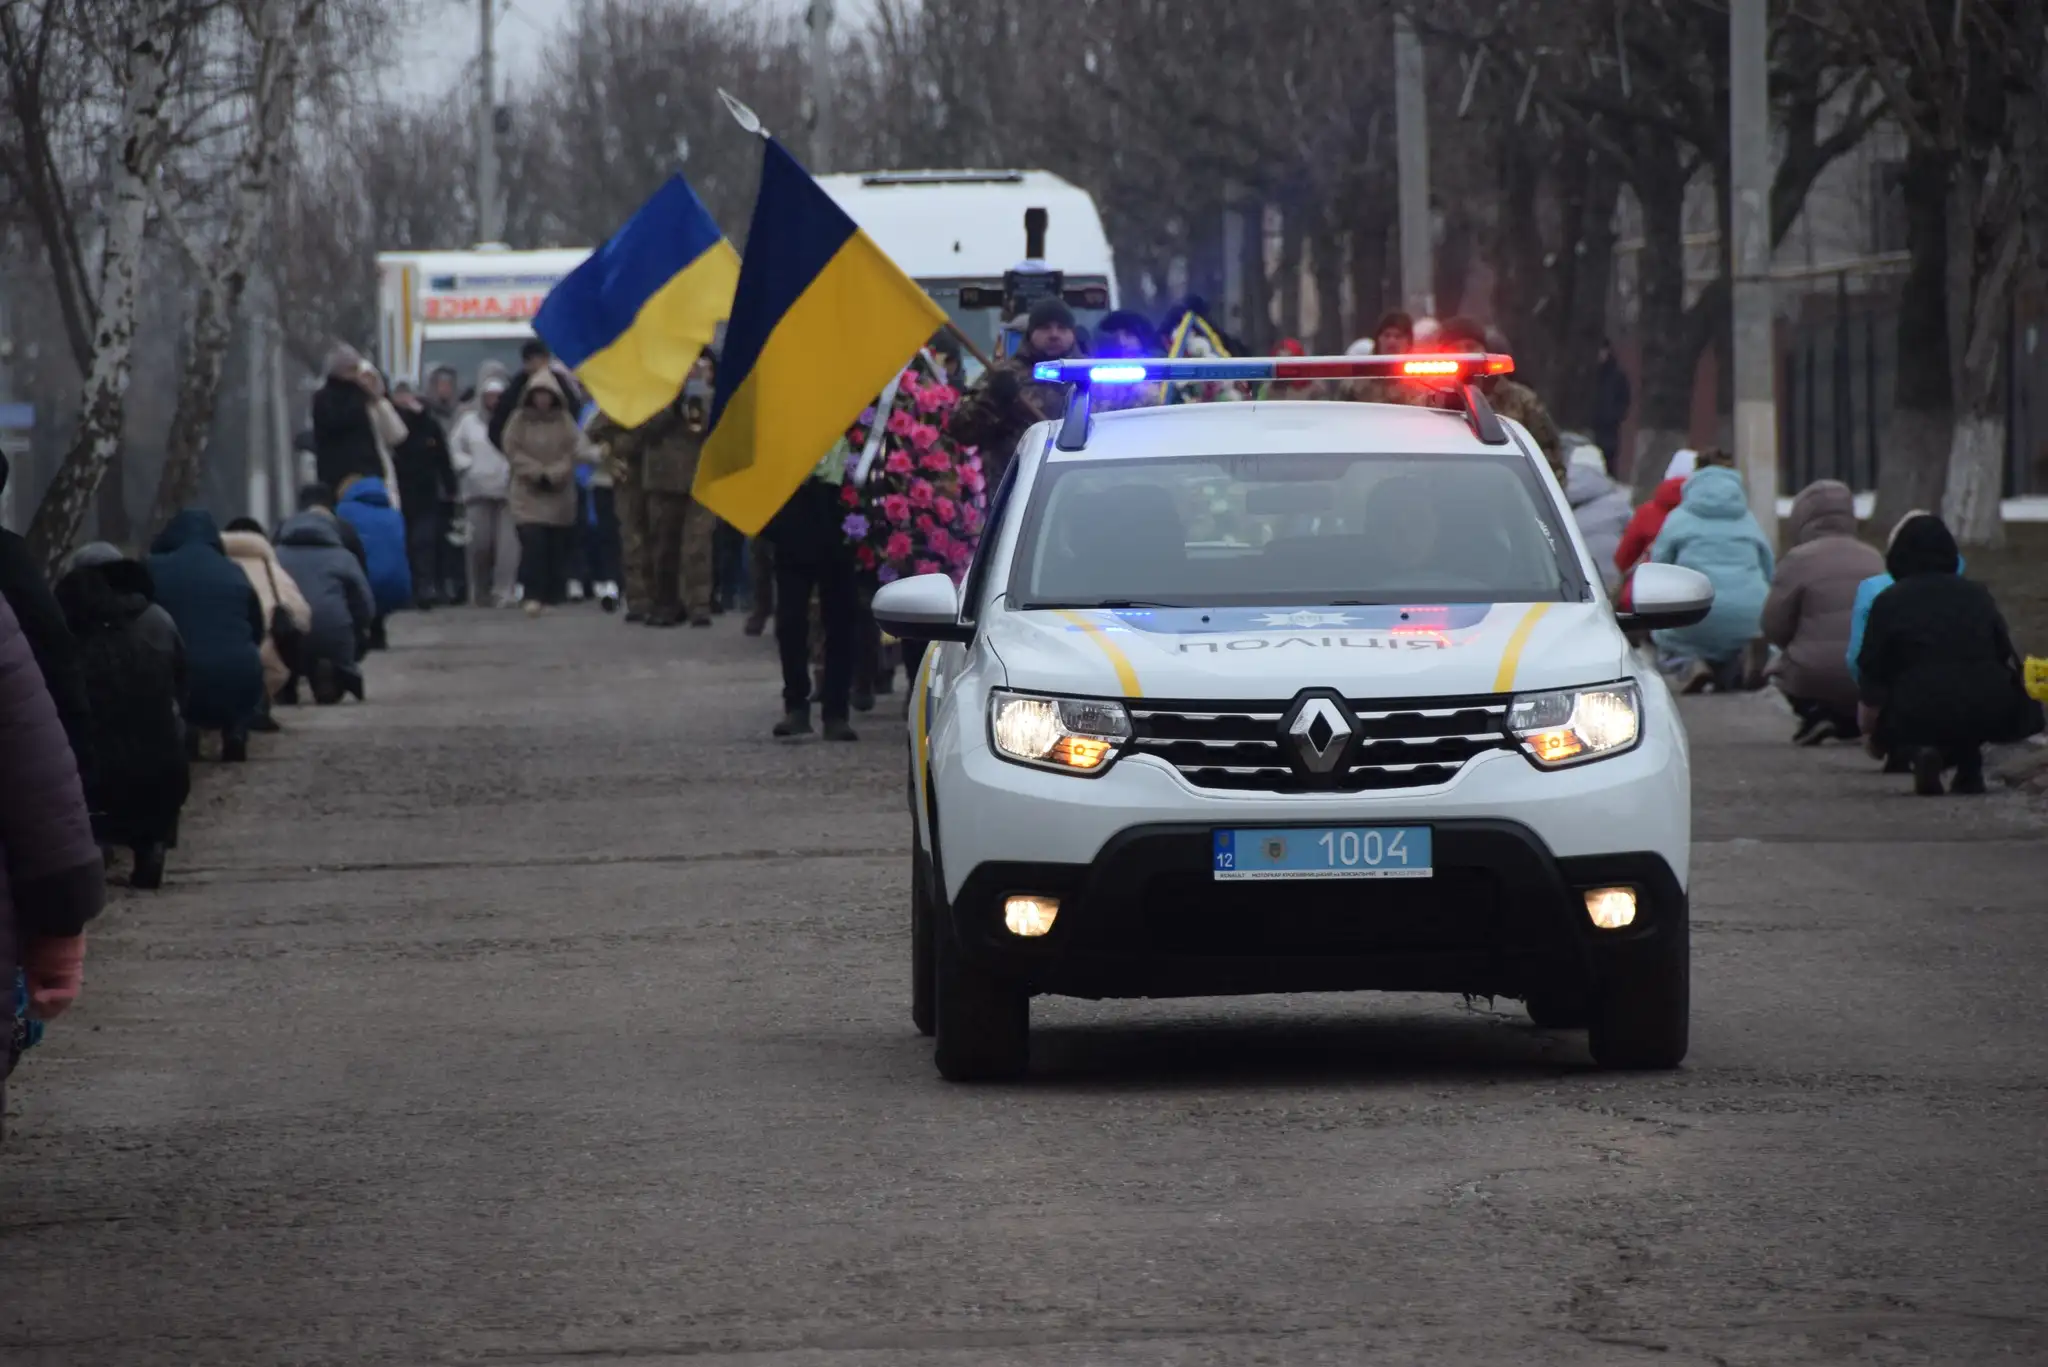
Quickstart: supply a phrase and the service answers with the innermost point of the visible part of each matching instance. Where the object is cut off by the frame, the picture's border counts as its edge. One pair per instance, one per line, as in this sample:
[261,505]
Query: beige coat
[258,560]
[1813,594]
[543,450]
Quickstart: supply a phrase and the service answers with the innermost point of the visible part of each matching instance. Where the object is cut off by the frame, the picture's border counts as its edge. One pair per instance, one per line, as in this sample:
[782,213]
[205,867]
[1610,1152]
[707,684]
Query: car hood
[1252,654]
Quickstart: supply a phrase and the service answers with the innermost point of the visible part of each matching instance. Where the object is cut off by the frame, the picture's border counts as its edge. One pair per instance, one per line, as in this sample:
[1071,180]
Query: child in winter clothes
[134,664]
[1937,669]
[1712,531]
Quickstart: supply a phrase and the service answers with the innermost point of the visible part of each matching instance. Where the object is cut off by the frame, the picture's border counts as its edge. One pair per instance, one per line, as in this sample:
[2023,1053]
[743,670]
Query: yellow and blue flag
[632,320]
[820,321]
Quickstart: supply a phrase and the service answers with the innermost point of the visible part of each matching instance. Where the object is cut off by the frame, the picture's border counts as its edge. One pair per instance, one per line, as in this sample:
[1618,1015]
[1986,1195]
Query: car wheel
[1642,1020]
[1558,1008]
[984,1022]
[921,967]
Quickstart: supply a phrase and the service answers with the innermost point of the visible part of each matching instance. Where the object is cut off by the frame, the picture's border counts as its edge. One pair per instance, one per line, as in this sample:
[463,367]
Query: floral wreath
[921,505]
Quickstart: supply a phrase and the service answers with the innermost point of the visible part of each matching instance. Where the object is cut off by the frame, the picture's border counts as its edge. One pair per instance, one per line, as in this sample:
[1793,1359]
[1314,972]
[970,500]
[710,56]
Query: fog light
[1030,916]
[1611,908]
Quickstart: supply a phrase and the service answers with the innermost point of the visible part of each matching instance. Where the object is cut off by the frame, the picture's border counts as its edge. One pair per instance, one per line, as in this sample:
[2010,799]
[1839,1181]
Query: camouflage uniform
[994,412]
[679,528]
[1513,399]
[624,456]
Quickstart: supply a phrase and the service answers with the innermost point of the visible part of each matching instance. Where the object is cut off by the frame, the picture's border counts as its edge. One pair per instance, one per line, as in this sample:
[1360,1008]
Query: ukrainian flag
[821,320]
[632,320]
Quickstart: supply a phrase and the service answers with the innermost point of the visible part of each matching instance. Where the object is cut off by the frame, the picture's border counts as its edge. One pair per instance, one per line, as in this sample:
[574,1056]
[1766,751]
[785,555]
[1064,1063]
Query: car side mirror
[924,607]
[1661,596]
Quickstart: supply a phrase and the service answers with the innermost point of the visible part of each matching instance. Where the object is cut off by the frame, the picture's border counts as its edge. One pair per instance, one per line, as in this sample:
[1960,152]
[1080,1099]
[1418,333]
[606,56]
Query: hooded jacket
[1937,661]
[1711,530]
[351,432]
[1813,593]
[994,413]
[274,589]
[52,878]
[27,591]
[134,663]
[1602,512]
[219,616]
[481,469]
[366,505]
[1642,529]
[337,591]
[542,448]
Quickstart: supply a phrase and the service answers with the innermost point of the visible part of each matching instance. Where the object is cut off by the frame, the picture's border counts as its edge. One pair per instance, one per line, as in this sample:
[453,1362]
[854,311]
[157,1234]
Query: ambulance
[460,309]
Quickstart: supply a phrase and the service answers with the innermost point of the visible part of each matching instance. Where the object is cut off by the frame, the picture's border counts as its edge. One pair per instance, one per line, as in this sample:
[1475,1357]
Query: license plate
[1322,852]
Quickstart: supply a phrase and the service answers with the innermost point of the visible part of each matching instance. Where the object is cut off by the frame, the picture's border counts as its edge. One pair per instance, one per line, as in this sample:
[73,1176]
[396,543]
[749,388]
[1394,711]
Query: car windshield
[1291,529]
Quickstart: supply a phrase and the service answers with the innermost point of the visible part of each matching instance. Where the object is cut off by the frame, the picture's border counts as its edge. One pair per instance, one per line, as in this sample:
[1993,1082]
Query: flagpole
[743,116]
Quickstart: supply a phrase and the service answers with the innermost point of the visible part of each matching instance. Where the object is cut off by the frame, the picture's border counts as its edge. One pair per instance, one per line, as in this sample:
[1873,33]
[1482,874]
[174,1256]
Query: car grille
[1401,744]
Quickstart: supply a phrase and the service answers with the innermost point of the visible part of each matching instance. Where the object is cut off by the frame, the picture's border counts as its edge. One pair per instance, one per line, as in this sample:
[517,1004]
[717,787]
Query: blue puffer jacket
[367,507]
[219,616]
[1713,532]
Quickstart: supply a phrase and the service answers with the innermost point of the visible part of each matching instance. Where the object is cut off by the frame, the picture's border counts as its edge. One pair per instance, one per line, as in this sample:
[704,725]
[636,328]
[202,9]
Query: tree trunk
[1368,273]
[103,405]
[1257,327]
[1290,270]
[1669,358]
[1589,243]
[281,36]
[1914,468]
[1976,478]
[1326,258]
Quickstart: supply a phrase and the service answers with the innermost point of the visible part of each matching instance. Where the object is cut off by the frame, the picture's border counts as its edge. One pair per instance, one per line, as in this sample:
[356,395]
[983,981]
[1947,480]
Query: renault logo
[1319,730]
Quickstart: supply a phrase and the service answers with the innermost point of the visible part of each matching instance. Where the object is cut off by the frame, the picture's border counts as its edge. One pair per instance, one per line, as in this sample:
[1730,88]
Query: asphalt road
[543,1011]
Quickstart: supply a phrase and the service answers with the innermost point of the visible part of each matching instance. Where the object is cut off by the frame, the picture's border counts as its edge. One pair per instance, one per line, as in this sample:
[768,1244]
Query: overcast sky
[439,47]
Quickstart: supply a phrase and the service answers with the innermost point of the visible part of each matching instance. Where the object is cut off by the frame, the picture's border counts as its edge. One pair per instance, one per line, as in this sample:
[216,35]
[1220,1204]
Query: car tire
[1558,1008]
[922,1014]
[1642,1019]
[983,1021]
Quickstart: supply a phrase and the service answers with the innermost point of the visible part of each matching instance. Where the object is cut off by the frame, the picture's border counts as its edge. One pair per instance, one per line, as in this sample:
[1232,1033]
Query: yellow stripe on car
[1125,675]
[921,715]
[1511,658]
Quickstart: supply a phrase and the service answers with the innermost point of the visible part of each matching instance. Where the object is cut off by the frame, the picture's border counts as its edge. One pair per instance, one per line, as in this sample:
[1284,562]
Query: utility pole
[489,227]
[1749,140]
[1411,131]
[819,20]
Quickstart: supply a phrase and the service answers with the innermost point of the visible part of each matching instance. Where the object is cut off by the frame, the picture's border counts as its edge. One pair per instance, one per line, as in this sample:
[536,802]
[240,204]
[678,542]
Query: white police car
[1283,697]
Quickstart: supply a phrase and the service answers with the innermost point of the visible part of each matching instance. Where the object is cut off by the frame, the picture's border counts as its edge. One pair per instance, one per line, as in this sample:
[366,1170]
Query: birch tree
[278,32]
[148,60]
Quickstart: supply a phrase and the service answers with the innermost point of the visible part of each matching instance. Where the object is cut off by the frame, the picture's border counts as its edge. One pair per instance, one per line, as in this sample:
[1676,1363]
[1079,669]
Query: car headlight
[1577,725]
[1073,735]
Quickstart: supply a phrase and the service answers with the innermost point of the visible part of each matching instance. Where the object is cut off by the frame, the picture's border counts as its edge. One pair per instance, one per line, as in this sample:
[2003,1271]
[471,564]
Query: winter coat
[543,449]
[515,395]
[421,460]
[337,591]
[1602,512]
[1513,399]
[668,446]
[366,506]
[27,592]
[1642,529]
[1937,661]
[134,664]
[1712,531]
[481,467]
[274,588]
[219,616]
[52,877]
[344,436]
[1812,594]
[997,408]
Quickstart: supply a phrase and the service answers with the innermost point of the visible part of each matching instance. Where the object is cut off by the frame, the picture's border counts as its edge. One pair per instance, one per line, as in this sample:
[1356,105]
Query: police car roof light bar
[1460,371]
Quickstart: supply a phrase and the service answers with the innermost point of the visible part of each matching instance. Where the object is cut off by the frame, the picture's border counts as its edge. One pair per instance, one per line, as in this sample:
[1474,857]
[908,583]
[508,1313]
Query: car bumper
[1501,916]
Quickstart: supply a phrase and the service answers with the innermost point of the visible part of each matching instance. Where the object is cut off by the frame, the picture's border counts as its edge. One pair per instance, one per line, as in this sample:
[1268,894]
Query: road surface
[543,1011]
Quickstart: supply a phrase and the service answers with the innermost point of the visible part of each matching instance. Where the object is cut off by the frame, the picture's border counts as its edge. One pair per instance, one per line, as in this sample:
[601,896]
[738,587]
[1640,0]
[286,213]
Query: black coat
[426,474]
[218,614]
[42,621]
[344,437]
[134,667]
[1936,660]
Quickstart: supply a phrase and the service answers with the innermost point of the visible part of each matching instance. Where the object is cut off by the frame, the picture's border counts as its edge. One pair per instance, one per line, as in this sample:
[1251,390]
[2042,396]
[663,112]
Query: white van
[964,230]
[460,309]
